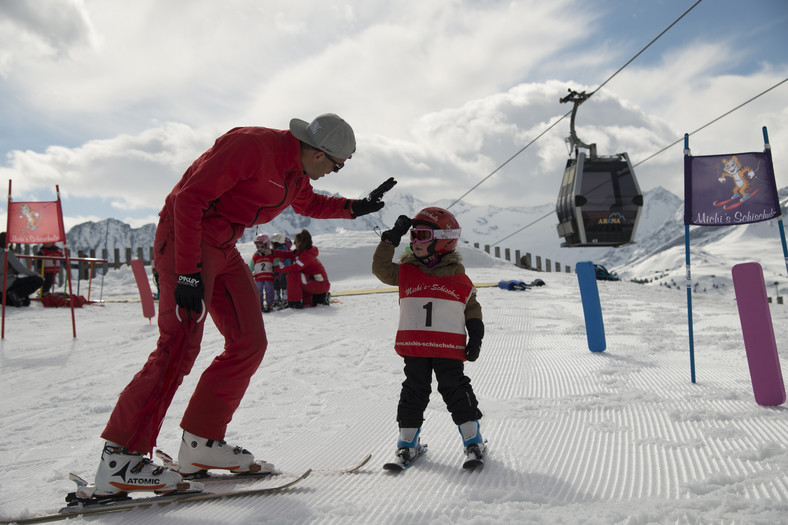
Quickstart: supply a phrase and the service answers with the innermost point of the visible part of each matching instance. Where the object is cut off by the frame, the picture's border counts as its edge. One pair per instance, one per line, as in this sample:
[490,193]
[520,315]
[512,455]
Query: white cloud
[43,30]
[132,171]
[440,93]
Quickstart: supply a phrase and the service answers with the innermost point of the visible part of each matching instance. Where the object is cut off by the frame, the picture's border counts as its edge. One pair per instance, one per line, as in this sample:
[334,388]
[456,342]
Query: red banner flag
[34,223]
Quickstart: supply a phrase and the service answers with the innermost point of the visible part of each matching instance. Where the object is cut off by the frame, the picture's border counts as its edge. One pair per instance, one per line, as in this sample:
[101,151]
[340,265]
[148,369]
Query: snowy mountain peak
[658,246]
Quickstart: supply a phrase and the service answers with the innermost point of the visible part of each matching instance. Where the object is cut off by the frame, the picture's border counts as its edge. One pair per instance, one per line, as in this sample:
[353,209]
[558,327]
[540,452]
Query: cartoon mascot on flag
[742,177]
[30,216]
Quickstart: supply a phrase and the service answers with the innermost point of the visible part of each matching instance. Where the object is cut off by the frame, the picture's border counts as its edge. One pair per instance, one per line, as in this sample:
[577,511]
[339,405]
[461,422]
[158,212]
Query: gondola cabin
[599,203]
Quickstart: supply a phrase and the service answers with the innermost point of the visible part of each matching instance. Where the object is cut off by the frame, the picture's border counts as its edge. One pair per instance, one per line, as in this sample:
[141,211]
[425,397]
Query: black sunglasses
[337,165]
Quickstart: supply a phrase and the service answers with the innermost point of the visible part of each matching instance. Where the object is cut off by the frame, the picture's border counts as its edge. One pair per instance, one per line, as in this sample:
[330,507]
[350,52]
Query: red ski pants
[300,288]
[232,302]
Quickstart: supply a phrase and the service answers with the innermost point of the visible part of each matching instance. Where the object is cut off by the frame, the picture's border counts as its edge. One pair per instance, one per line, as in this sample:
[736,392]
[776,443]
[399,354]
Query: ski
[396,466]
[723,202]
[208,477]
[740,202]
[77,507]
[349,470]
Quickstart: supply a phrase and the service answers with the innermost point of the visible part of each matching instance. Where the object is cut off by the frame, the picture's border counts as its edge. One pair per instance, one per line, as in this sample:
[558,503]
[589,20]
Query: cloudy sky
[112,100]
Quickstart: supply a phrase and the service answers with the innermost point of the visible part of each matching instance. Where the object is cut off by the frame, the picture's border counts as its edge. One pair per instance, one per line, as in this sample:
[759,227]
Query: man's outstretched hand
[377,193]
[373,202]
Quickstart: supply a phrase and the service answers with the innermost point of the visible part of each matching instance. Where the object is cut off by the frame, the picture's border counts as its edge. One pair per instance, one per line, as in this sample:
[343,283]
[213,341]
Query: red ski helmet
[445,230]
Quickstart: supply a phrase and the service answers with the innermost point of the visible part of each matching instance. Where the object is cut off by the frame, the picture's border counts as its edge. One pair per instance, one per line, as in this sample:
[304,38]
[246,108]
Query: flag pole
[687,191]
[62,229]
[768,150]
[106,252]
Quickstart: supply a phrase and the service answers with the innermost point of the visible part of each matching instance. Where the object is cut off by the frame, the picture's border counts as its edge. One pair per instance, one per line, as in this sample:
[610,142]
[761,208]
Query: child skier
[437,304]
[280,242]
[307,281]
[51,266]
[263,271]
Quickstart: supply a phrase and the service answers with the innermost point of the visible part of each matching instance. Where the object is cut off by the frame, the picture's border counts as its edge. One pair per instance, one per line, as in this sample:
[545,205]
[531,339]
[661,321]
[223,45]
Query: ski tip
[289,484]
[357,466]
[361,463]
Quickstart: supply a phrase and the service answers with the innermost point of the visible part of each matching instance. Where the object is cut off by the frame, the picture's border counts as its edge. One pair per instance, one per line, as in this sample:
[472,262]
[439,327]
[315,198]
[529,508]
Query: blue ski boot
[409,448]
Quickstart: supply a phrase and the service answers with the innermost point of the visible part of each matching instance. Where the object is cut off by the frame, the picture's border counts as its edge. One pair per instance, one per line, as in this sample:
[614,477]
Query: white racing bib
[432,314]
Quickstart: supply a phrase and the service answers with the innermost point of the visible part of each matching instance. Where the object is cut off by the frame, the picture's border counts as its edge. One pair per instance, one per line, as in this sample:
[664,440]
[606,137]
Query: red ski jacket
[51,265]
[249,176]
[306,262]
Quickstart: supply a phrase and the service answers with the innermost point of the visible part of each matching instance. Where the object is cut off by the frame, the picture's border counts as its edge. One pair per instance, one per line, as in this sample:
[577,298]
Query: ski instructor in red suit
[248,177]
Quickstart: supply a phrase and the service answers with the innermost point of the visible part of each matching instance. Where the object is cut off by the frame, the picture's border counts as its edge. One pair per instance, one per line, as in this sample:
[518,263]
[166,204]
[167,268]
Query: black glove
[377,193]
[475,329]
[189,292]
[400,228]
[365,206]
[372,202]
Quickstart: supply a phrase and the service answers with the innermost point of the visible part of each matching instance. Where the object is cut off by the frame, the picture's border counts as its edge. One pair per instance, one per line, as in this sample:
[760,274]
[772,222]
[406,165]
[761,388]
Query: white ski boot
[121,471]
[475,448]
[198,454]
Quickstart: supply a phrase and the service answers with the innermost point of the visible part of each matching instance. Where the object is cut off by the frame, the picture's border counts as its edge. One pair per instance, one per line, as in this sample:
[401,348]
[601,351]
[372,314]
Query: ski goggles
[428,234]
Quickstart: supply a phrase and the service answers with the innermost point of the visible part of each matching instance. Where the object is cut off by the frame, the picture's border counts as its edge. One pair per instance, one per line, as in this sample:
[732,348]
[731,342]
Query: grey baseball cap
[328,133]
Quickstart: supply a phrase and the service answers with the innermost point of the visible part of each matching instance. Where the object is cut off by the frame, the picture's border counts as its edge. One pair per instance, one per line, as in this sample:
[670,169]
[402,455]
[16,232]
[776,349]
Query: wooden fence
[526,261]
[124,257]
[145,254]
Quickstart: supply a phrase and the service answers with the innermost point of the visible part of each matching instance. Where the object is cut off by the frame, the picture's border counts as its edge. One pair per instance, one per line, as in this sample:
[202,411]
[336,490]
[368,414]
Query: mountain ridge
[529,229]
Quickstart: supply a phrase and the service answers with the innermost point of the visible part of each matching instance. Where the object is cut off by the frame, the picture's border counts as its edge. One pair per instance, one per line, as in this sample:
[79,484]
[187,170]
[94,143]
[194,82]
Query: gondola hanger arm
[573,140]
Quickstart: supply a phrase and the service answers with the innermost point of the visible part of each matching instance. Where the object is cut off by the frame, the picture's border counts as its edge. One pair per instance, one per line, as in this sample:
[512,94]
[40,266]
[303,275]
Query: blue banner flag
[725,190]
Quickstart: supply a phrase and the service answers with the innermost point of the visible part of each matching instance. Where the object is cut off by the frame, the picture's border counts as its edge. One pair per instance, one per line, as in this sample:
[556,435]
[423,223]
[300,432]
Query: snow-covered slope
[621,436]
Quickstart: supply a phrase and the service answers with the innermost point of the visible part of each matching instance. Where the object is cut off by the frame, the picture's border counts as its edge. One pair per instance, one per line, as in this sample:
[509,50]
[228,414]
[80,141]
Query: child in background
[307,281]
[263,271]
[155,273]
[437,304]
[280,242]
[51,266]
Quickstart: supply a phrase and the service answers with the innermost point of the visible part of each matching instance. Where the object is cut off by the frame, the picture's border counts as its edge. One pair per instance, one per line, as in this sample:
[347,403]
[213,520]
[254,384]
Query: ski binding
[475,456]
[259,470]
[405,460]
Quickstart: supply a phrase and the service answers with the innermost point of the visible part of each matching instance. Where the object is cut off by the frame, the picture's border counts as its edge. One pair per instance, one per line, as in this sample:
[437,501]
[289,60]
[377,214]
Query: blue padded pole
[592,308]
